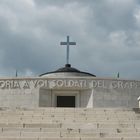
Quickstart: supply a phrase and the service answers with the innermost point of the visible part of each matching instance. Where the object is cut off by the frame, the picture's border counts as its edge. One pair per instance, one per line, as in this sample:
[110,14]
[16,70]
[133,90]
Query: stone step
[69,138]
[70,124]
[100,125]
[73,123]
[71,114]
[68,112]
[67,135]
[121,113]
[65,120]
[69,118]
[69,130]
[86,120]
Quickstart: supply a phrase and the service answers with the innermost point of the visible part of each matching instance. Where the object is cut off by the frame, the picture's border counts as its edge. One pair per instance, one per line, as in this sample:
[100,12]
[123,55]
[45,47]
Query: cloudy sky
[107,33]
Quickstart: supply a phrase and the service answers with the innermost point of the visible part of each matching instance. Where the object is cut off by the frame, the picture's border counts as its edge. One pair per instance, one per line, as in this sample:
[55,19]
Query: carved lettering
[99,83]
[26,85]
[68,83]
[114,84]
[35,83]
[59,83]
[16,85]
[8,84]
[2,84]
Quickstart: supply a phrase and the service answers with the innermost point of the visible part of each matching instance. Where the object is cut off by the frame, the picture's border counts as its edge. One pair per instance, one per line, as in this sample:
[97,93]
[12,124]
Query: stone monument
[68,87]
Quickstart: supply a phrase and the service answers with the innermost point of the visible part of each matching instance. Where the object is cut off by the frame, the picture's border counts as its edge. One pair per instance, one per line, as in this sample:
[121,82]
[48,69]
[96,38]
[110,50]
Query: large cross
[68,43]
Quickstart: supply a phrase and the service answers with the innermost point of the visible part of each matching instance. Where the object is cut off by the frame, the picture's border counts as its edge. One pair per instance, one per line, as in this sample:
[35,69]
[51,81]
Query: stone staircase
[70,124]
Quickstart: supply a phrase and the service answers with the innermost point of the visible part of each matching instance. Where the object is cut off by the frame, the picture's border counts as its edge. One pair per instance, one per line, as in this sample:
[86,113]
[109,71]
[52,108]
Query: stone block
[71,138]
[137,125]
[42,125]
[107,125]
[79,125]
[40,134]
[3,125]
[101,138]
[18,138]
[131,138]
[11,129]
[9,134]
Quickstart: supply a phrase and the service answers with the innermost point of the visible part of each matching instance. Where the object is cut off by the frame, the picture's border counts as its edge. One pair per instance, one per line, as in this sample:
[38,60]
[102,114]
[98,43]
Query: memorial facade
[68,87]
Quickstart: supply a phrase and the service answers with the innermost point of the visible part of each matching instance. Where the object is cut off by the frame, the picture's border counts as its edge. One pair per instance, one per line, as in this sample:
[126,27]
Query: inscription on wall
[115,84]
[68,83]
[27,84]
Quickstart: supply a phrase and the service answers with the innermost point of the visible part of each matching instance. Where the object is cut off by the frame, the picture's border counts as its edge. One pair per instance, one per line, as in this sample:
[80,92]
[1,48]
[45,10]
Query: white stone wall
[45,98]
[17,98]
[123,93]
[89,92]
[86,98]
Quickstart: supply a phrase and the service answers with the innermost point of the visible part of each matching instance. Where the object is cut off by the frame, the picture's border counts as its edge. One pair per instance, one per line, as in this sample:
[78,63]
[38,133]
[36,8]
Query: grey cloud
[106,32]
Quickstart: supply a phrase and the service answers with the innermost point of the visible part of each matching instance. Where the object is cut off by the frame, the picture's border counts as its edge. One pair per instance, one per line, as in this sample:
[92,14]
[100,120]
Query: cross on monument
[68,43]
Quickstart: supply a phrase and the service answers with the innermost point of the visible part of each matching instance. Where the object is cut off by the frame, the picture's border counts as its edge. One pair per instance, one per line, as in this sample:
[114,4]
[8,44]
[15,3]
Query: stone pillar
[139,101]
[90,101]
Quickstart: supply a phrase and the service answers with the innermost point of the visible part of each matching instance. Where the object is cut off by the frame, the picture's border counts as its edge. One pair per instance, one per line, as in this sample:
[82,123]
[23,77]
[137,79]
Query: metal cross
[68,43]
